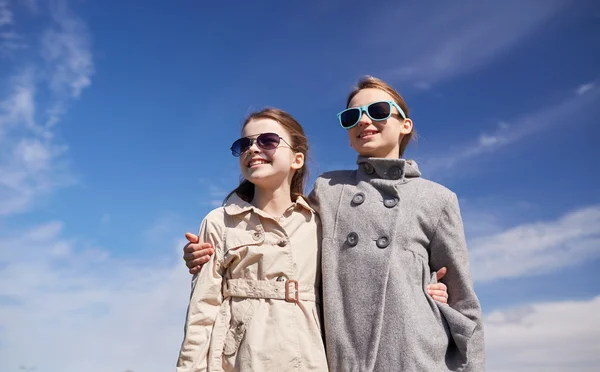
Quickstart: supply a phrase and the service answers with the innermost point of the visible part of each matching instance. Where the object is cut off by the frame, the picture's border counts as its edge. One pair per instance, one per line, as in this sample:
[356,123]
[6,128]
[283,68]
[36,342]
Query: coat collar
[400,170]
[234,205]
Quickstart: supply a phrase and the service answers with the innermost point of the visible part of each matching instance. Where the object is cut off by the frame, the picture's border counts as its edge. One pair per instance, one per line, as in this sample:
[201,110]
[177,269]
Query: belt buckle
[291,284]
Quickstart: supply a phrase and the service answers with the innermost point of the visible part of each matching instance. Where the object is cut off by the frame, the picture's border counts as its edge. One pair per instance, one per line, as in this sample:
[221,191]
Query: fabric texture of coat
[254,305]
[386,231]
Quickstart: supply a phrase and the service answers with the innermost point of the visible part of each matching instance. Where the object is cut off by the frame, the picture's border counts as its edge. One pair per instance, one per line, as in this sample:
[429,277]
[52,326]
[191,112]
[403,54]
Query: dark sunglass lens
[240,146]
[268,141]
[379,110]
[349,117]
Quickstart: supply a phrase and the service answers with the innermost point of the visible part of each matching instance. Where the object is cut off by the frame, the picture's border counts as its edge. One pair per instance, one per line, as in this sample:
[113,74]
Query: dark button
[394,173]
[239,327]
[352,239]
[256,235]
[280,279]
[390,202]
[282,243]
[359,198]
[368,168]
[383,242]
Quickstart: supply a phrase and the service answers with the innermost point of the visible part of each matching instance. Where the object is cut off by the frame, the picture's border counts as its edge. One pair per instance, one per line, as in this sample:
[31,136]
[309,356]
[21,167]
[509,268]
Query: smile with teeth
[254,162]
[367,133]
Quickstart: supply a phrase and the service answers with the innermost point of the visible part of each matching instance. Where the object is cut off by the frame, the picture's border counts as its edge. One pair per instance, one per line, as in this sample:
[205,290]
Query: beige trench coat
[254,305]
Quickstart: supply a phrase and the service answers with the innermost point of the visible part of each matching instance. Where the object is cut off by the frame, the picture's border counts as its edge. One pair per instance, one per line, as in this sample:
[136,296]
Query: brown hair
[370,82]
[299,143]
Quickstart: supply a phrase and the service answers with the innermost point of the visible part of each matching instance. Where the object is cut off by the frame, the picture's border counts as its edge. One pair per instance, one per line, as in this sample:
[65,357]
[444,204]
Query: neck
[272,201]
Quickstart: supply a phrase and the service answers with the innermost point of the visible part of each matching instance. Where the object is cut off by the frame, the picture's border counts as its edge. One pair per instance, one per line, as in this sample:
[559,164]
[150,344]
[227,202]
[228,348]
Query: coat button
[280,279]
[352,239]
[383,242]
[282,243]
[239,327]
[390,202]
[394,173]
[256,235]
[368,168]
[358,199]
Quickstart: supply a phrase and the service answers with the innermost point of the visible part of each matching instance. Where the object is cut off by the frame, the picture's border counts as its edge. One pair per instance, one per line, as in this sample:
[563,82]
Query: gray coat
[386,231]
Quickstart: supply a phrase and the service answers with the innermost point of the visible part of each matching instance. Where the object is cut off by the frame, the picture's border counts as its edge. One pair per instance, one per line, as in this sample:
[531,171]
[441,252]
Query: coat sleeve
[313,197]
[205,301]
[463,315]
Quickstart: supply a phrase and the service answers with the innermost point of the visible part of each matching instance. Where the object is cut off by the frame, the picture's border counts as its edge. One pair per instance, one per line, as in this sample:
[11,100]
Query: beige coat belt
[285,290]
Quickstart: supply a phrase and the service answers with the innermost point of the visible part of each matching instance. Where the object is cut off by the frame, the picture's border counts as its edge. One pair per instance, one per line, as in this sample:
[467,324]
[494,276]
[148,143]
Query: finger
[192,238]
[441,273]
[198,254]
[437,286]
[193,247]
[194,270]
[198,261]
[443,300]
[438,294]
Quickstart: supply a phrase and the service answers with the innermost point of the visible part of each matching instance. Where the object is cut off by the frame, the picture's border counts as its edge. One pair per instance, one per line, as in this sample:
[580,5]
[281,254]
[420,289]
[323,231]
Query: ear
[406,126]
[298,161]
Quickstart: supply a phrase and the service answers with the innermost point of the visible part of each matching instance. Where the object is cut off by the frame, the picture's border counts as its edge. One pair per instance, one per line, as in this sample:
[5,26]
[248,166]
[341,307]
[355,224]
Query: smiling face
[379,139]
[269,168]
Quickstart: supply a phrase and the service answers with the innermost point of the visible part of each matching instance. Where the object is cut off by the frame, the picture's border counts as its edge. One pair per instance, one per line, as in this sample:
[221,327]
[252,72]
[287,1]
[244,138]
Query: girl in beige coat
[254,306]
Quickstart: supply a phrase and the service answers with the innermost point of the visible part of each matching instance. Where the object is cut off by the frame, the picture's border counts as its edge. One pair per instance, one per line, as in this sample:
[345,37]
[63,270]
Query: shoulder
[334,177]
[215,220]
[432,193]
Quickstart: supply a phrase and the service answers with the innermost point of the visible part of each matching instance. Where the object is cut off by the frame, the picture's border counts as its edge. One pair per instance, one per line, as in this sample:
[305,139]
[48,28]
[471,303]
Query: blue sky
[115,124]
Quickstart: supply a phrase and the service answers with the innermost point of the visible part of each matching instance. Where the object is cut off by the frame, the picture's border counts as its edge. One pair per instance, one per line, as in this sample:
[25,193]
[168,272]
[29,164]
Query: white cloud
[9,39]
[65,306]
[552,337]
[68,307]
[32,161]
[536,248]
[459,37]
[584,88]
[6,15]
[520,128]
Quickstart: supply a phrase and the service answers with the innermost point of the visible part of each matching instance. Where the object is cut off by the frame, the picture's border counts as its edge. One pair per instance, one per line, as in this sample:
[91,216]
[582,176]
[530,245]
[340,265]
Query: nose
[254,149]
[364,119]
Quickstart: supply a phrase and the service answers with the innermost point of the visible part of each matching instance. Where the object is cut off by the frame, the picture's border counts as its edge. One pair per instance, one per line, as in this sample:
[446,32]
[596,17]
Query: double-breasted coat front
[386,231]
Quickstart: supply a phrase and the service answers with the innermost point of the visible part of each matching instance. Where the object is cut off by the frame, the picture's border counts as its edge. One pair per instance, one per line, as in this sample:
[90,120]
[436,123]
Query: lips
[257,161]
[367,132]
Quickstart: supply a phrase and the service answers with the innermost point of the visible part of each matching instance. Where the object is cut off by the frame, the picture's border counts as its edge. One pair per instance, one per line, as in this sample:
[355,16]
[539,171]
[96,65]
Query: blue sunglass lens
[349,117]
[379,110]
[240,146]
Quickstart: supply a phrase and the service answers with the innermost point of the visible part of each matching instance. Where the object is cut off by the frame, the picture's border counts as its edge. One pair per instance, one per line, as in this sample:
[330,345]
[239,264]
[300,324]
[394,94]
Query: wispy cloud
[53,299]
[6,15]
[72,307]
[553,337]
[510,132]
[459,37]
[32,161]
[537,248]
[584,88]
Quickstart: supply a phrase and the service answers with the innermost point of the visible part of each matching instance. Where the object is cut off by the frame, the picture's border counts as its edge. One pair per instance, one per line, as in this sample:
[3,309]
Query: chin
[366,150]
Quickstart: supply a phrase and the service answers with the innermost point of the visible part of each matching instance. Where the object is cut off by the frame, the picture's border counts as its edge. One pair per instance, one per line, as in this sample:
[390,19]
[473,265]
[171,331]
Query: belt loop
[291,284]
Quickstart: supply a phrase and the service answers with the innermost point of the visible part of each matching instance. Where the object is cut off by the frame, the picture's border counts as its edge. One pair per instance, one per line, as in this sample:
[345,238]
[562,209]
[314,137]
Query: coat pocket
[236,238]
[241,315]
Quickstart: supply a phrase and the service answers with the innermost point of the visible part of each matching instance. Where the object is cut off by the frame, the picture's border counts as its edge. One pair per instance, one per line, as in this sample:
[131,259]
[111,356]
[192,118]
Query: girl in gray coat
[386,231]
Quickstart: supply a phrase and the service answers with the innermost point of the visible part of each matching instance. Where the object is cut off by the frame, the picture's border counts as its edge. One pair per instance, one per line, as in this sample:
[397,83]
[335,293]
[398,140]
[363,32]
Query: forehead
[258,126]
[369,95]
